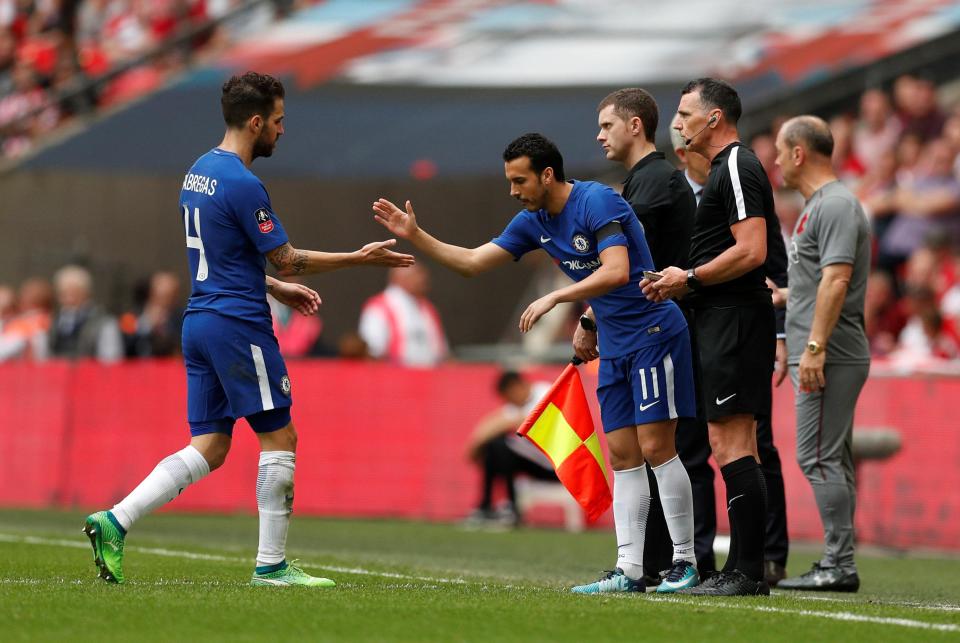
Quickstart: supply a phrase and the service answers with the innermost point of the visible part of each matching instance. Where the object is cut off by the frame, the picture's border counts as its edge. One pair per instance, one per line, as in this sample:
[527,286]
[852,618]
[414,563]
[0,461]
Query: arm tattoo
[288,257]
[299,262]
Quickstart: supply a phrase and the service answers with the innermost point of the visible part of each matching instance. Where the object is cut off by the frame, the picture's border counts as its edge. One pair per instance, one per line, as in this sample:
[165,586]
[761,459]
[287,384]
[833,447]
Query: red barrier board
[379,440]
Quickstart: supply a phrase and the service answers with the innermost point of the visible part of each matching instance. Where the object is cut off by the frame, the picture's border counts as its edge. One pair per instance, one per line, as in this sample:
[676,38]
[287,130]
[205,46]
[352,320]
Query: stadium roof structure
[562,43]
[423,88]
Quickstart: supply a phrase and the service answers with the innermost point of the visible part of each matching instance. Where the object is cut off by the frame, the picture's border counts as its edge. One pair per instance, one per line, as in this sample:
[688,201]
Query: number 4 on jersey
[195,242]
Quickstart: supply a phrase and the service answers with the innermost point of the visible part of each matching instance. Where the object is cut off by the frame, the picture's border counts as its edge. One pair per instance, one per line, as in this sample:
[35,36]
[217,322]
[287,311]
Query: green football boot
[106,537]
[290,575]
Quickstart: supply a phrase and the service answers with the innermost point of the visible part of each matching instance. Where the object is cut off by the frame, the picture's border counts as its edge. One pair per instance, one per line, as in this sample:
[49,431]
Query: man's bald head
[811,133]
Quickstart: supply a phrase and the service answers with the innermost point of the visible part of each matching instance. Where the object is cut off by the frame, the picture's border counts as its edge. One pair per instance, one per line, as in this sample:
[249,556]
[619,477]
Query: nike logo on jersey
[544,239]
[725,400]
[644,407]
[730,502]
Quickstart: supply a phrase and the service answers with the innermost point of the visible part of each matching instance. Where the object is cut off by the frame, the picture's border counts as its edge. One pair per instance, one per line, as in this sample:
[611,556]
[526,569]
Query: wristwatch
[588,324]
[814,348]
[692,282]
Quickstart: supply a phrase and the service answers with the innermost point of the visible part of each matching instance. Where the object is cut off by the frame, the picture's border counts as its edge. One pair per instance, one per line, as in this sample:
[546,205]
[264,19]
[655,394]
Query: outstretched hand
[535,311]
[378,254]
[304,300]
[403,224]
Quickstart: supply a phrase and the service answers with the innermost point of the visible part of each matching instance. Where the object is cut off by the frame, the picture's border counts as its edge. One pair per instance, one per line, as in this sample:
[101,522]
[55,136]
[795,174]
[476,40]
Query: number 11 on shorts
[654,380]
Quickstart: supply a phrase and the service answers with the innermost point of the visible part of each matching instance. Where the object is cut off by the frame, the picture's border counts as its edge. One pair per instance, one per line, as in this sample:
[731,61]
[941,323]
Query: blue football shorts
[651,385]
[234,370]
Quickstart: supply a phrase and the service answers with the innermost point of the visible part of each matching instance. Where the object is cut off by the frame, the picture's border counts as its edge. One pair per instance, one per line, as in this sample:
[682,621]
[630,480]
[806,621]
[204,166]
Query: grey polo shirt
[832,229]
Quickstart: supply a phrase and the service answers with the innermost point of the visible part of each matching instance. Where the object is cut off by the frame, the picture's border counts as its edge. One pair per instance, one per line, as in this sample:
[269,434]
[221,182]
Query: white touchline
[937,607]
[175,553]
[842,616]
[836,616]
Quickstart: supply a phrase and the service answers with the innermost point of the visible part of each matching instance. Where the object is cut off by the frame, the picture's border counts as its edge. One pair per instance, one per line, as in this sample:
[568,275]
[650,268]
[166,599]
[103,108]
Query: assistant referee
[734,321]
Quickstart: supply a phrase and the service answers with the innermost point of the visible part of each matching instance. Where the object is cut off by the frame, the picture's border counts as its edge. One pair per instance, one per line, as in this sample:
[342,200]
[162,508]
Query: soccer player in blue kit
[646,374]
[234,367]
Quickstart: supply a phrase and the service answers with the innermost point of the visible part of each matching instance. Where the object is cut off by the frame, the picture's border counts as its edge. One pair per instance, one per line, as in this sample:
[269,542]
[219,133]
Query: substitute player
[829,355]
[234,368]
[664,203]
[734,322]
[645,379]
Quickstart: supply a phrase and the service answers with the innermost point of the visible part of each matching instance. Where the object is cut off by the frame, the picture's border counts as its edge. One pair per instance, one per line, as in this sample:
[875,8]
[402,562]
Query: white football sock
[631,504]
[677,500]
[275,502]
[164,483]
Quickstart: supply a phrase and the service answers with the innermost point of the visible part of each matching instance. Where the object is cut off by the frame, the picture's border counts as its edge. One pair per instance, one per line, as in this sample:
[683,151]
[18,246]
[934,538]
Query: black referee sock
[747,509]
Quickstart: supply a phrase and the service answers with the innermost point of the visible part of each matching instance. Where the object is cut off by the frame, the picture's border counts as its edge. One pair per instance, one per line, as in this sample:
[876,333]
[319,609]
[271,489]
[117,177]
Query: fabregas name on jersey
[200,184]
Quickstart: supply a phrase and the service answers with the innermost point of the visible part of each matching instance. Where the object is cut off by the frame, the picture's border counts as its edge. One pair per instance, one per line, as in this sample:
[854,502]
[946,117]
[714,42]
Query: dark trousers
[501,462]
[693,447]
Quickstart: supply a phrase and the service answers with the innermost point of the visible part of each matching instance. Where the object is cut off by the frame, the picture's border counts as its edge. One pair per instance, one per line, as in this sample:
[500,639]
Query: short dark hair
[248,95]
[633,101]
[717,93]
[506,380]
[540,150]
[810,132]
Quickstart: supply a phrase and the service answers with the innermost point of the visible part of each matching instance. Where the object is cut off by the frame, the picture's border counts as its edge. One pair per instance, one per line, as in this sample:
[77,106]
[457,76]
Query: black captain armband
[609,230]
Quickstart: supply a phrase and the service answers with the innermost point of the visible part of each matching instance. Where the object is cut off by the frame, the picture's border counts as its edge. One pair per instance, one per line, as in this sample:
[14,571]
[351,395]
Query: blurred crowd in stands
[40,320]
[52,50]
[900,153]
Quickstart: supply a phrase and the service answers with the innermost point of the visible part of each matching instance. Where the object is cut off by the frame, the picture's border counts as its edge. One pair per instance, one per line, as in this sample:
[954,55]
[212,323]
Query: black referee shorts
[738,347]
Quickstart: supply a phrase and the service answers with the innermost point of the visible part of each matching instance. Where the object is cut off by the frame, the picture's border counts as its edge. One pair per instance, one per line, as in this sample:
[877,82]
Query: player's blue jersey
[626,320]
[230,225]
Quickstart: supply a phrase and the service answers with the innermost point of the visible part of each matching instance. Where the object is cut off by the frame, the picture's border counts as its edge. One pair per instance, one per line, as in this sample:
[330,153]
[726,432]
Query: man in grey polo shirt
[829,260]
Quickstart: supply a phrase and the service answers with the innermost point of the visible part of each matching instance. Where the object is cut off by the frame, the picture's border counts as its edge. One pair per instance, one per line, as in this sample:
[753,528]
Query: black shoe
[823,579]
[773,572]
[651,581]
[729,583]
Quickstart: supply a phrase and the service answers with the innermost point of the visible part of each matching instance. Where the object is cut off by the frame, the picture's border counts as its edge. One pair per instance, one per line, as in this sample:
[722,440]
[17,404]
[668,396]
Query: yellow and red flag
[561,426]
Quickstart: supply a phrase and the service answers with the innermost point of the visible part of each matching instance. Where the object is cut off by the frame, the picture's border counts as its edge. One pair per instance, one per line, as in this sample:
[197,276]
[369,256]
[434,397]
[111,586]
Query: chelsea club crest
[581,243]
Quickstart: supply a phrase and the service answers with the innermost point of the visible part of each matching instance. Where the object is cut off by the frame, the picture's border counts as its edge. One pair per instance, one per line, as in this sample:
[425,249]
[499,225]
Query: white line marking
[835,616]
[174,553]
[839,616]
[940,607]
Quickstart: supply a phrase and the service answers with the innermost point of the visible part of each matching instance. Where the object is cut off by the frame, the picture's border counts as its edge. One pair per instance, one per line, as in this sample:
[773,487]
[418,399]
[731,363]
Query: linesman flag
[561,427]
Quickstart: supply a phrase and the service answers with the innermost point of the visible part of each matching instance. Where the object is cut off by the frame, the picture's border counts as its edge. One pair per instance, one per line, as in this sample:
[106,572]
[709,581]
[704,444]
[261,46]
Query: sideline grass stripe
[938,607]
[836,616]
[708,604]
[176,553]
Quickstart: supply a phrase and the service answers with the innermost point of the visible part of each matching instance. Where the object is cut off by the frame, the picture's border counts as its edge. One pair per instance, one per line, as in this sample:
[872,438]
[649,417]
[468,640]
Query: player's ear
[256,122]
[547,176]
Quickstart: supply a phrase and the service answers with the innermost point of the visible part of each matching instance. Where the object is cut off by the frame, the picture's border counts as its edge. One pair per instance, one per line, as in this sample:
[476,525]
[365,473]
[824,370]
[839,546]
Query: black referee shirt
[737,188]
[663,201]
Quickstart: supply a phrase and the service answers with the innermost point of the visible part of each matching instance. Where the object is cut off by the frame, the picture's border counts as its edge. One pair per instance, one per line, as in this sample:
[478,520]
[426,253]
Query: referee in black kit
[734,321]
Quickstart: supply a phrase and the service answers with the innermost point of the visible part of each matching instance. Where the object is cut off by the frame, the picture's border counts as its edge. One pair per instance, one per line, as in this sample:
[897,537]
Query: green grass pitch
[188,574]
